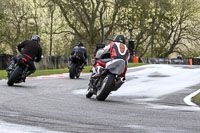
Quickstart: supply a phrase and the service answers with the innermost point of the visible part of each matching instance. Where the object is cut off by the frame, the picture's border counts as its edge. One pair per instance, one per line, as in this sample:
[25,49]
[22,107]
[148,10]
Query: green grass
[196,99]
[135,64]
[49,72]
[3,74]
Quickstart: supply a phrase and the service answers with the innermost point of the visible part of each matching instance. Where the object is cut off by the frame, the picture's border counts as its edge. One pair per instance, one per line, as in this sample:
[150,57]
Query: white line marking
[188,99]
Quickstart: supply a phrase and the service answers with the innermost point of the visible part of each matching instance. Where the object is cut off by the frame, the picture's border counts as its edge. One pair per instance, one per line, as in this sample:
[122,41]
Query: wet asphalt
[50,103]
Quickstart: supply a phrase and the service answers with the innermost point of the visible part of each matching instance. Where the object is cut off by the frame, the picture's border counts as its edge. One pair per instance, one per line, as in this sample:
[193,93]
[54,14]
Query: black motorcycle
[75,67]
[18,72]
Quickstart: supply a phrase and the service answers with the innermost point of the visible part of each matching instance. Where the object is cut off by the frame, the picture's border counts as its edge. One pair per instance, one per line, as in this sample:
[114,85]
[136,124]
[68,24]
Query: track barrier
[56,62]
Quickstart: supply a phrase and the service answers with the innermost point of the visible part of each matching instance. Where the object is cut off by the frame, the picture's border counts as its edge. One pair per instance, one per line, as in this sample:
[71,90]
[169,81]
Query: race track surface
[59,104]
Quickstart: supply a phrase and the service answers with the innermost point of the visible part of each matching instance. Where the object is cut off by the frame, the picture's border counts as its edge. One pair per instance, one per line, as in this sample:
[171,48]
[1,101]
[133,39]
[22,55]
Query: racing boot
[98,72]
[26,75]
[12,63]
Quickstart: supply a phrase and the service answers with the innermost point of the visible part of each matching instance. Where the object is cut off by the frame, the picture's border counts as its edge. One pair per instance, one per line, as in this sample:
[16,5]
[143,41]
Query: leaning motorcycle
[109,79]
[18,72]
[75,67]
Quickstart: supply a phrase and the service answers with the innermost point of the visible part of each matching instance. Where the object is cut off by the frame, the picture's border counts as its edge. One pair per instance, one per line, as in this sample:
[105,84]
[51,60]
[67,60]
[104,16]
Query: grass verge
[196,99]
[3,73]
[135,64]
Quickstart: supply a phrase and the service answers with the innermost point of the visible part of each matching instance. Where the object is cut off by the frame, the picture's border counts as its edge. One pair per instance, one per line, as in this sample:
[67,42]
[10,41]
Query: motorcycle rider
[31,51]
[80,51]
[117,50]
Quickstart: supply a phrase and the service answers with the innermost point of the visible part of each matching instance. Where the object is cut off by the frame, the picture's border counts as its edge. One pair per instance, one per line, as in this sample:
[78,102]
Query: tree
[85,18]
[159,27]
[182,27]
[55,29]
[15,15]
[162,27]
[135,20]
[2,8]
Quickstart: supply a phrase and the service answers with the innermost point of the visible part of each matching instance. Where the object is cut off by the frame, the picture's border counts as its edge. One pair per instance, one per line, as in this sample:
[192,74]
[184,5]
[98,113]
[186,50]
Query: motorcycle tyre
[13,77]
[89,94]
[106,87]
[72,71]
[78,75]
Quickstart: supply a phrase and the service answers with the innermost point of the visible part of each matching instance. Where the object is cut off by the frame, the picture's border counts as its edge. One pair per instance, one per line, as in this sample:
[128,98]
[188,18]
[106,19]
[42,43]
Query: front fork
[94,84]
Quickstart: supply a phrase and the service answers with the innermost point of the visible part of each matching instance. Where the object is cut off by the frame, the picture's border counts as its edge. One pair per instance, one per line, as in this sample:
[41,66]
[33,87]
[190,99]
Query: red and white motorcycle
[109,79]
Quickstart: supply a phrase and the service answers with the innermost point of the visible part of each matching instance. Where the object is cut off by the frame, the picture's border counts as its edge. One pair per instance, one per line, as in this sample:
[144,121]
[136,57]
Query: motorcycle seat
[105,60]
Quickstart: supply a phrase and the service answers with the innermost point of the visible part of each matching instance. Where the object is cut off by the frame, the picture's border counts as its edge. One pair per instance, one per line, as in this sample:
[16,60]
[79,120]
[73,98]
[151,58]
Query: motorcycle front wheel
[89,94]
[106,87]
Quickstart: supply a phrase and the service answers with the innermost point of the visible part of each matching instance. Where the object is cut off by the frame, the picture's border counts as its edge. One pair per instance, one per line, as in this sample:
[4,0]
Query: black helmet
[36,38]
[119,38]
[80,43]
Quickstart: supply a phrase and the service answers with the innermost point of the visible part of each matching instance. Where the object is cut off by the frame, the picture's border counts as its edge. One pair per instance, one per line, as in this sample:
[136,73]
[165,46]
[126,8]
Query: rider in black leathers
[31,51]
[80,51]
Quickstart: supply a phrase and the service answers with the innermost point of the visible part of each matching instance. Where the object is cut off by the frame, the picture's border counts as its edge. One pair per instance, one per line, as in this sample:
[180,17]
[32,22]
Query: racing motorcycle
[75,67]
[109,79]
[18,71]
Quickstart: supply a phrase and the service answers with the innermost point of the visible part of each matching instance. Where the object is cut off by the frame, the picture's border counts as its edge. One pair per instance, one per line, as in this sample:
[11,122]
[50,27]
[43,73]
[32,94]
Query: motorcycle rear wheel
[72,71]
[106,87]
[78,75]
[13,77]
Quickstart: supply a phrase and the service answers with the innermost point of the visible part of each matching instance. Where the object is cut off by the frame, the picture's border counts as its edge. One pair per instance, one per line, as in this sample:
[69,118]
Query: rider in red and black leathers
[117,50]
[31,51]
